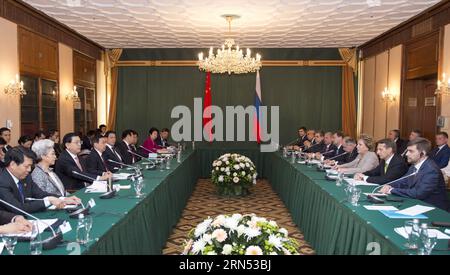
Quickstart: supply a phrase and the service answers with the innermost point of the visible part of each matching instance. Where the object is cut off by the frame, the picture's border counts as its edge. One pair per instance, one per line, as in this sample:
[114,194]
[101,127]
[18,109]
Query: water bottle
[293,157]
[284,152]
[423,237]
[81,230]
[193,145]
[168,163]
[179,156]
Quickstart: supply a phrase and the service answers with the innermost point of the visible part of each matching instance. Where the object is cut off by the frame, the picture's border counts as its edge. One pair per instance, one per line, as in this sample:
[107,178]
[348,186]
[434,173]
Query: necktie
[132,156]
[77,161]
[117,154]
[20,187]
[385,167]
[104,164]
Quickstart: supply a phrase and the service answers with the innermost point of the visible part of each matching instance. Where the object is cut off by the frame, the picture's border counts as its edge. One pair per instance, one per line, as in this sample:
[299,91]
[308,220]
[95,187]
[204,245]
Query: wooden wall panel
[27,16]
[422,57]
[368,96]
[379,130]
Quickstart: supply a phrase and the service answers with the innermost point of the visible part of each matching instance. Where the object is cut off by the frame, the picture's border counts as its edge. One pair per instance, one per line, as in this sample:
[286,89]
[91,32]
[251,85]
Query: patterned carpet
[204,202]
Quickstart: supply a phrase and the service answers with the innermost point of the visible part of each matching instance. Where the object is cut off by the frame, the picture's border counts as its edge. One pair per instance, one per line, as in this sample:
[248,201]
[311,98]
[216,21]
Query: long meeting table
[127,225]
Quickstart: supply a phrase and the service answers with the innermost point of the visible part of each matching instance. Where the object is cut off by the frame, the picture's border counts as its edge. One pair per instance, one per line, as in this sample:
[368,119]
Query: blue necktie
[20,186]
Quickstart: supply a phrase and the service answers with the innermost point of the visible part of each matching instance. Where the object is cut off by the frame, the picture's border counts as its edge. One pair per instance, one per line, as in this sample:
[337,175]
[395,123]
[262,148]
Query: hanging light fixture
[229,59]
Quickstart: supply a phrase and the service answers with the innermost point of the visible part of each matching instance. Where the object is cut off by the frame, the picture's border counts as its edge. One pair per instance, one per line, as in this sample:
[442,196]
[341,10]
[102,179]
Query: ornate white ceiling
[263,23]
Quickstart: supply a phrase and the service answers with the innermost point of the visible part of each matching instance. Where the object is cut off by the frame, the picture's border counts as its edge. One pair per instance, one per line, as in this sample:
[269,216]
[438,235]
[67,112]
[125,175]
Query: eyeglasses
[77,142]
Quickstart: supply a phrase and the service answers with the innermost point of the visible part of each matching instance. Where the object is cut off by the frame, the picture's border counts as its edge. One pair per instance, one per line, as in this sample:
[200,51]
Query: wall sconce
[387,96]
[443,86]
[15,87]
[73,95]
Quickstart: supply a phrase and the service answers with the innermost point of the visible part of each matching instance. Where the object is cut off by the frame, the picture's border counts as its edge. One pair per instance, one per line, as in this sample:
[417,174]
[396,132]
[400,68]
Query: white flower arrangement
[239,235]
[233,174]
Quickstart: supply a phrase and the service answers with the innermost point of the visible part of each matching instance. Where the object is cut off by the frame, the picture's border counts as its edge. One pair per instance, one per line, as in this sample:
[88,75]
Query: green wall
[309,96]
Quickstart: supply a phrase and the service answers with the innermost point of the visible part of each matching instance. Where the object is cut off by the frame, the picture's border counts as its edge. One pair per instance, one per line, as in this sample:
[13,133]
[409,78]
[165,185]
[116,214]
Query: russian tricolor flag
[258,103]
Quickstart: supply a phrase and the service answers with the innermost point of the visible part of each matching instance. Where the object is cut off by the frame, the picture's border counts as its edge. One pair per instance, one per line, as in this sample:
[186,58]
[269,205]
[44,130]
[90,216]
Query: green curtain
[309,96]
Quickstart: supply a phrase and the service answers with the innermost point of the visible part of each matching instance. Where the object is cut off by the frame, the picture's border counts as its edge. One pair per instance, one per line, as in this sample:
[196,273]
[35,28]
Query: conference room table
[127,225]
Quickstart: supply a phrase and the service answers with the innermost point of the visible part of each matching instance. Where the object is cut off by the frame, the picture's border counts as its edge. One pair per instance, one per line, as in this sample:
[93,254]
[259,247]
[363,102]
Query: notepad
[393,214]
[441,236]
[121,176]
[97,187]
[359,182]
[380,207]
[69,206]
[415,210]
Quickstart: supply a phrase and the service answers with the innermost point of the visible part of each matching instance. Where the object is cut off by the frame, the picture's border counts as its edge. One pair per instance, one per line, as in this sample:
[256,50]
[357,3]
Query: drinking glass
[339,179]
[10,243]
[428,242]
[88,224]
[138,185]
[354,196]
[35,241]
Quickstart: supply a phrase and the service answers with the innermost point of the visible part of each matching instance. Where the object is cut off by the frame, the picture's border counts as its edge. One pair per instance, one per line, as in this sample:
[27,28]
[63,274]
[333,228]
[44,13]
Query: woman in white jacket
[366,159]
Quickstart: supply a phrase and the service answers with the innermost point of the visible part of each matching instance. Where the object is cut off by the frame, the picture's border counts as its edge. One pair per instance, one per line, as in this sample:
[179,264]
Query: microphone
[109,194]
[148,150]
[133,153]
[327,152]
[83,175]
[407,176]
[49,243]
[338,156]
[123,164]
[292,141]
[313,145]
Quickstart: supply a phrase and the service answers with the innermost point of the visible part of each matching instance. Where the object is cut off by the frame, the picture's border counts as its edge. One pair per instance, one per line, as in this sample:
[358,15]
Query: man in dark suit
[394,135]
[329,149]
[5,133]
[391,167]
[69,162]
[95,162]
[299,143]
[339,142]
[129,139]
[163,139]
[412,136]
[441,154]
[427,184]
[111,153]
[17,187]
[318,143]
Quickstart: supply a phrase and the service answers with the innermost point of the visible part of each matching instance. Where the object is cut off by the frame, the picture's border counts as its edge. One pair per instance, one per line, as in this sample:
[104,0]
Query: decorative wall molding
[266,63]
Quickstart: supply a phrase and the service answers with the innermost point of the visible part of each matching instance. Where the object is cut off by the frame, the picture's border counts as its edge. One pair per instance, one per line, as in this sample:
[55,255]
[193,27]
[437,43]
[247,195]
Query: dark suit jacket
[122,149]
[9,192]
[350,157]
[317,148]
[401,145]
[6,217]
[58,149]
[159,141]
[441,158]
[328,151]
[2,164]
[336,153]
[64,167]
[427,185]
[395,170]
[109,154]
[95,164]
[301,140]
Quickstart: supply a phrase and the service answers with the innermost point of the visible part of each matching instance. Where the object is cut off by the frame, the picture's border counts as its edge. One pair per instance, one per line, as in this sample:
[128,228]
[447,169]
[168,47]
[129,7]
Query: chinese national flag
[207,117]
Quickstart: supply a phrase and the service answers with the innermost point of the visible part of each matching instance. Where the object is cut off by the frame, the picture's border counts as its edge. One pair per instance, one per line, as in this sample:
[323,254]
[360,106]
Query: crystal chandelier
[228,59]
[15,87]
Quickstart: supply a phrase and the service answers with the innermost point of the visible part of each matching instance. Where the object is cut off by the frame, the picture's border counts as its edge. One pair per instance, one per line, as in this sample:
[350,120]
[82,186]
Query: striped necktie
[20,187]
